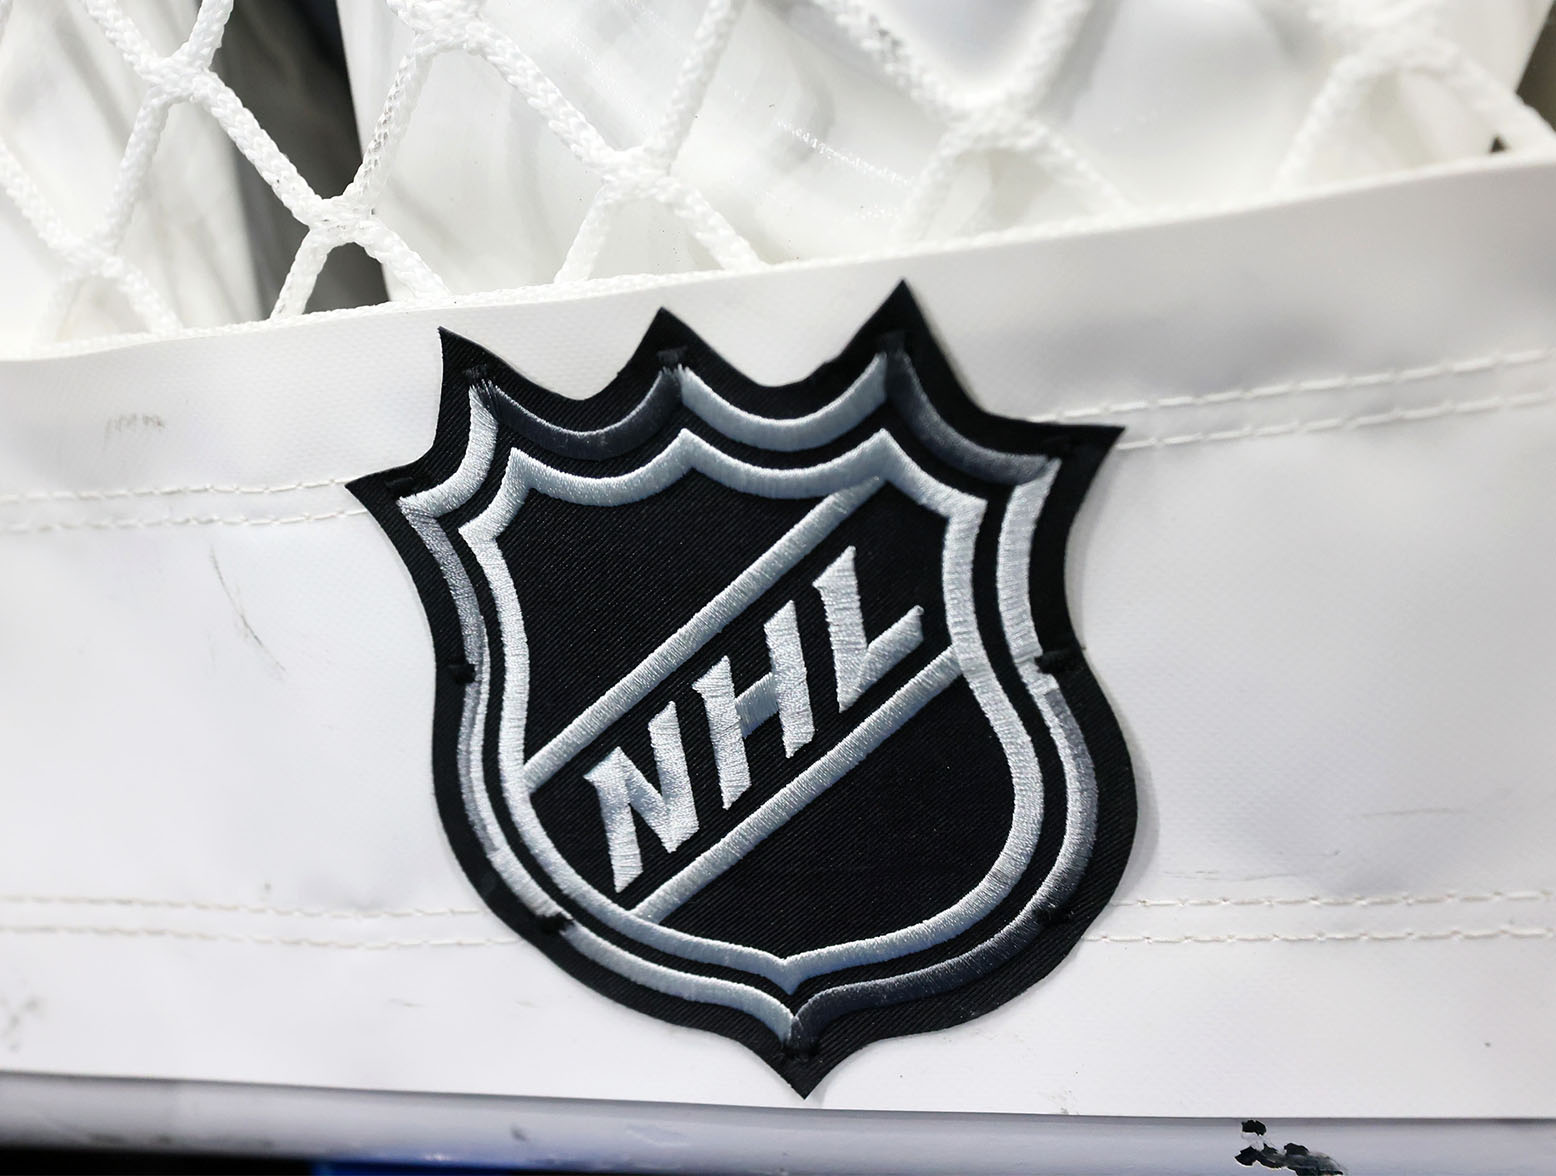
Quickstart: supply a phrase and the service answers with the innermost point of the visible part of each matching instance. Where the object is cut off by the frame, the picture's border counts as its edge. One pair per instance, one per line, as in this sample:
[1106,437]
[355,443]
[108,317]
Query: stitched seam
[1447,369]
[1338,936]
[186,521]
[169,904]
[162,492]
[1355,901]
[1365,420]
[262,940]
[387,944]
[1287,428]
[173,904]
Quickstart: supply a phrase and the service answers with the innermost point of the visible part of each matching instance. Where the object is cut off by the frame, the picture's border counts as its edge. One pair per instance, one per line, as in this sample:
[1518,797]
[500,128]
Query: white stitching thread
[262,940]
[188,521]
[1355,901]
[168,904]
[1505,932]
[1337,936]
[1317,425]
[161,492]
[1361,421]
[173,904]
[1447,369]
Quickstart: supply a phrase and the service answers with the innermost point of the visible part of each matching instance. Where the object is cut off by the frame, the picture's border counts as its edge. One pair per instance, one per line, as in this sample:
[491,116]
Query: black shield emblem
[760,709]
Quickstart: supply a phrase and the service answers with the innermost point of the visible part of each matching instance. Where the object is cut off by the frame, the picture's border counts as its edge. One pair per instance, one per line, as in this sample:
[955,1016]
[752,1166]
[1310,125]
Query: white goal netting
[506,144]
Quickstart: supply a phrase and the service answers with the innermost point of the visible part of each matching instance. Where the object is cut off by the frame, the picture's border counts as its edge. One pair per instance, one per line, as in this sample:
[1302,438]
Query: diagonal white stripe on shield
[804,788]
[798,542]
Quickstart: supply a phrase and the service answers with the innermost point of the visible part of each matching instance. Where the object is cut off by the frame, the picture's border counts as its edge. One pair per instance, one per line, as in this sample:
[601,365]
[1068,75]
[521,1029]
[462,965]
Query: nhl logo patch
[759,709]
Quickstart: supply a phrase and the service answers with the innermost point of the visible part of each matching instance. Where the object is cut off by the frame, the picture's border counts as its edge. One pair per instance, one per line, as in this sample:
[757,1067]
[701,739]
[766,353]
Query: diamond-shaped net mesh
[558,143]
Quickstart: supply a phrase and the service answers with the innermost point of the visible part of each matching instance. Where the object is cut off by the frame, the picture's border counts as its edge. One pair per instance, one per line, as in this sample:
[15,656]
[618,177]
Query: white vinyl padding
[1315,579]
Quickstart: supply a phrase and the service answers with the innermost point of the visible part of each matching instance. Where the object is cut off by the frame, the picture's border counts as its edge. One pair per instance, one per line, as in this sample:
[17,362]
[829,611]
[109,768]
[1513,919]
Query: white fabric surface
[1315,581]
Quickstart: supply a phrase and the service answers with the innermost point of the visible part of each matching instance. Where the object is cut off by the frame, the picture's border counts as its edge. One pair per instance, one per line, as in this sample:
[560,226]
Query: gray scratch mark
[15,1017]
[657,1134]
[243,620]
[1415,812]
[128,421]
[1226,876]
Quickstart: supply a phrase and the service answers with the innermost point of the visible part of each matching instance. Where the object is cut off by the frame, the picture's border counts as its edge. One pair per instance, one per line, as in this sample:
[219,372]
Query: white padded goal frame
[1314,579]
[552,1134]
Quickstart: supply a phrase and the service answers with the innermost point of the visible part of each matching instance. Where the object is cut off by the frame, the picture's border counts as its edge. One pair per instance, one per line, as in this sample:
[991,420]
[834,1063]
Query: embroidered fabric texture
[851,602]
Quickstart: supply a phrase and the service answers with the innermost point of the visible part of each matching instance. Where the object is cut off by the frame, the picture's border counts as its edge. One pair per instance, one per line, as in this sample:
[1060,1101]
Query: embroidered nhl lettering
[782,692]
[860,663]
[668,810]
[771,718]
